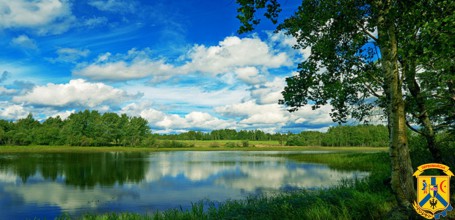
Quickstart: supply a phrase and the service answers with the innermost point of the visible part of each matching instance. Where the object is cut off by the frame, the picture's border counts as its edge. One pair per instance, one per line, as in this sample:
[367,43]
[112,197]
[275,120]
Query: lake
[47,185]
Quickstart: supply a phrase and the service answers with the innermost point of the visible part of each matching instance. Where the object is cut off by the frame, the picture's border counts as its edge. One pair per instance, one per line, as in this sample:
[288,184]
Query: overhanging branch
[412,128]
[368,33]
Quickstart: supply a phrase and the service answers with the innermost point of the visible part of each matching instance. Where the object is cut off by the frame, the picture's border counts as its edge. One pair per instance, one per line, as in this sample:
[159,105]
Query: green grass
[187,146]
[346,160]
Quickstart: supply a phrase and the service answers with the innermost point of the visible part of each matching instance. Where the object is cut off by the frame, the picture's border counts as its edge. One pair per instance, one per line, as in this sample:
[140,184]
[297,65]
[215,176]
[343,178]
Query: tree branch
[412,128]
[368,33]
[372,91]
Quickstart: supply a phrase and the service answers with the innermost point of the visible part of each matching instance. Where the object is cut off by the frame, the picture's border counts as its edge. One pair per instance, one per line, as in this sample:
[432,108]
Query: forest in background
[91,128]
[85,128]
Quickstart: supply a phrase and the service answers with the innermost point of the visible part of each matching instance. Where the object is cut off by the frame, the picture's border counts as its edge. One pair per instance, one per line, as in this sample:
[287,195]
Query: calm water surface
[46,185]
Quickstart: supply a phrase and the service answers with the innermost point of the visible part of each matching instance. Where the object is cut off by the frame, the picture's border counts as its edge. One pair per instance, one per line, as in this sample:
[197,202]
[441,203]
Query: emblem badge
[433,192]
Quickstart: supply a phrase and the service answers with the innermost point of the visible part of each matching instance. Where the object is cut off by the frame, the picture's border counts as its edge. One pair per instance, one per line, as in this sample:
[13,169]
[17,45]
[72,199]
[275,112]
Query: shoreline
[79,149]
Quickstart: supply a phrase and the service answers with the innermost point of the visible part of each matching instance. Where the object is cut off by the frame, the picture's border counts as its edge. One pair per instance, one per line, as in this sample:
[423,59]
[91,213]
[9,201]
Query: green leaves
[247,13]
[87,128]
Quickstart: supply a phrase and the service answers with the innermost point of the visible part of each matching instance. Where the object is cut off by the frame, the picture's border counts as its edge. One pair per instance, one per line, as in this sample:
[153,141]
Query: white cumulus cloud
[250,75]
[41,16]
[77,92]
[6,91]
[134,65]
[248,58]
[252,113]
[232,53]
[63,115]
[194,120]
[8,111]
[268,92]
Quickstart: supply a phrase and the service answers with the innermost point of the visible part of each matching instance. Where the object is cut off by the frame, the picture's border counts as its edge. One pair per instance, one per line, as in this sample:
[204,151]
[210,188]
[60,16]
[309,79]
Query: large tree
[364,54]
[426,56]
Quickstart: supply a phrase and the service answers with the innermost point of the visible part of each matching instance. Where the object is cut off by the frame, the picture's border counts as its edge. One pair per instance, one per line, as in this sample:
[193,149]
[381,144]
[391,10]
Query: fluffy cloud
[249,75]
[286,43]
[246,57]
[42,16]
[64,115]
[306,115]
[134,65]
[6,91]
[172,122]
[252,113]
[12,111]
[75,93]
[193,95]
[25,42]
[273,117]
[252,107]
[268,92]
[233,53]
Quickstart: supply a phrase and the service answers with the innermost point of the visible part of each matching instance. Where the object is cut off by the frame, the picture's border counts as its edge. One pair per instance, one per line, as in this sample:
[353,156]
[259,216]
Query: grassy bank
[369,198]
[187,146]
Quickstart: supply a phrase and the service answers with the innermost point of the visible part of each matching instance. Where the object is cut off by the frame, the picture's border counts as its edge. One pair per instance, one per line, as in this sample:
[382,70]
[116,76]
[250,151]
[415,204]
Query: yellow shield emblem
[433,192]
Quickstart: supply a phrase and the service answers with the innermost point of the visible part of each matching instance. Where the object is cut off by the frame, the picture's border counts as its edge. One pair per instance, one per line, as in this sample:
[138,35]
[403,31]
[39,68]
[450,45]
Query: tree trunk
[422,114]
[402,180]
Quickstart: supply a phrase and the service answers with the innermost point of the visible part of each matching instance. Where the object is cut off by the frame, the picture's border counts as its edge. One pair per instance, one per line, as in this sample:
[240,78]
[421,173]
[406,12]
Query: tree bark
[422,114]
[402,180]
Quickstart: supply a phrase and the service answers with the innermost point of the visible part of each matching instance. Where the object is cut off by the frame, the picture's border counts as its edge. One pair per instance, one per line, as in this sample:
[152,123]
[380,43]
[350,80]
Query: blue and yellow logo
[433,192]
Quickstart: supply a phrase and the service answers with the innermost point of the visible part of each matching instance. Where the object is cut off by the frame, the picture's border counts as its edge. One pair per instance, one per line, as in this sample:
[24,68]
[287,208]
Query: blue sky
[179,64]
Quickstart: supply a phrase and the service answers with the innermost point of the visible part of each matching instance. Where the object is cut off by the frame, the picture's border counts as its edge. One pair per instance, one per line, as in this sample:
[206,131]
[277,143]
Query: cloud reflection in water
[143,182]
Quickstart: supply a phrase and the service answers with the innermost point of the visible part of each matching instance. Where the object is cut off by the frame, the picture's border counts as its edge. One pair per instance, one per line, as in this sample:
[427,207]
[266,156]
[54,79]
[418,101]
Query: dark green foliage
[225,134]
[87,128]
[90,128]
[421,154]
[238,144]
[360,135]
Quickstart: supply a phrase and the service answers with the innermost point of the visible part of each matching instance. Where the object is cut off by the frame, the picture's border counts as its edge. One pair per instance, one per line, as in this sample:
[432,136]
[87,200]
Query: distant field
[223,145]
[198,143]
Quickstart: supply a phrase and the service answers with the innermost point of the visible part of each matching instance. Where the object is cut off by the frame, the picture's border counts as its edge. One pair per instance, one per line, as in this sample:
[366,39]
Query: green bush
[295,140]
[231,144]
[214,145]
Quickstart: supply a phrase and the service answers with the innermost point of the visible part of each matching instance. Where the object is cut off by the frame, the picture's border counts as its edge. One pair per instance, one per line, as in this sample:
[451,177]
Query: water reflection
[78,169]
[45,185]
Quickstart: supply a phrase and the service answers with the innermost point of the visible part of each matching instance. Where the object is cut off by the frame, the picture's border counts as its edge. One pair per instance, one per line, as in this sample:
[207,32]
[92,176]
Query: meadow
[189,145]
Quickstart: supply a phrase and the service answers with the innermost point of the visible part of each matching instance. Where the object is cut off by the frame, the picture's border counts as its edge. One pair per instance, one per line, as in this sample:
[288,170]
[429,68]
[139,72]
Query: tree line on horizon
[91,128]
[358,135]
[84,128]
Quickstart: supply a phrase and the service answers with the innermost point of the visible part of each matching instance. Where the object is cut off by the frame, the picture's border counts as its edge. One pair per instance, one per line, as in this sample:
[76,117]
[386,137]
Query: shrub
[214,145]
[231,144]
